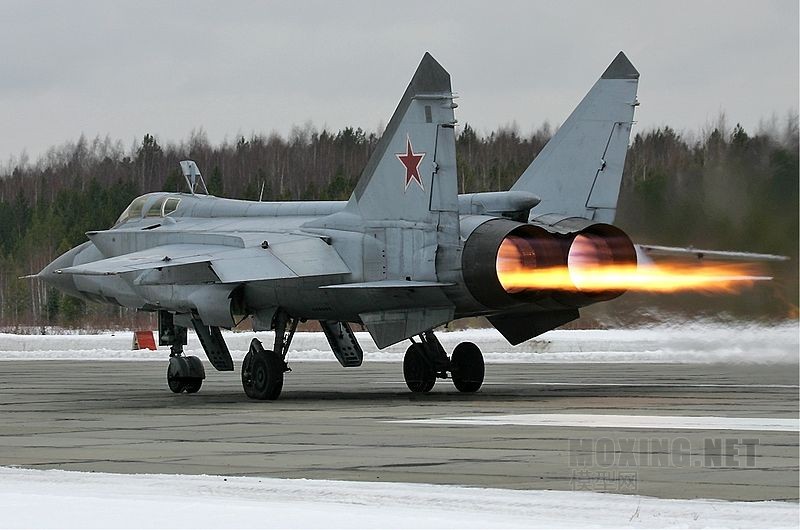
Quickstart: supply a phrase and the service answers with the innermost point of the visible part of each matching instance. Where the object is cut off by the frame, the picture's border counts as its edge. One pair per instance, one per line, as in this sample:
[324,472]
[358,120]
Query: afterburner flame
[664,278]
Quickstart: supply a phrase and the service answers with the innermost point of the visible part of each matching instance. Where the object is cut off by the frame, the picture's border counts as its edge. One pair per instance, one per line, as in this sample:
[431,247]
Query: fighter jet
[403,256]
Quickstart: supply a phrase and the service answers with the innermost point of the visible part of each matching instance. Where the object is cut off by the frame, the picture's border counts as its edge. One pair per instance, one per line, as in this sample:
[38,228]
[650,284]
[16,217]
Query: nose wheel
[426,360]
[185,374]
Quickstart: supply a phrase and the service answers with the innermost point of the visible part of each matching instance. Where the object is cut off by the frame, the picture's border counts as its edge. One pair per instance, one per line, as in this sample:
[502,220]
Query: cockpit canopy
[152,205]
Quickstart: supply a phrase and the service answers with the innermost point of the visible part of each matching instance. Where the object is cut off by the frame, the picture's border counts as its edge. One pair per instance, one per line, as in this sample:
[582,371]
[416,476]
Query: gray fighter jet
[404,255]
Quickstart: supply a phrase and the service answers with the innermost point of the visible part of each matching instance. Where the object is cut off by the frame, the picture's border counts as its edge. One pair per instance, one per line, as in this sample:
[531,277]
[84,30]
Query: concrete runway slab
[335,423]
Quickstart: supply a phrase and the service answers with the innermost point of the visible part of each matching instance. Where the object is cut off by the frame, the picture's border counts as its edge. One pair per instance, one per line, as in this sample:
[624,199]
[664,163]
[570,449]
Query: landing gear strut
[426,360]
[262,370]
[184,374]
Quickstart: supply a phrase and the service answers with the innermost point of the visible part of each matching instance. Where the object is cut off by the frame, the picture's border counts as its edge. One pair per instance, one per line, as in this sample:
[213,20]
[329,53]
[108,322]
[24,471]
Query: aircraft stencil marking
[411,162]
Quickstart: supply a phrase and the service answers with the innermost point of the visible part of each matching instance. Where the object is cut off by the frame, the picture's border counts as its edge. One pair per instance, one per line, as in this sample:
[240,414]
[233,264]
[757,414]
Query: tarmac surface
[361,424]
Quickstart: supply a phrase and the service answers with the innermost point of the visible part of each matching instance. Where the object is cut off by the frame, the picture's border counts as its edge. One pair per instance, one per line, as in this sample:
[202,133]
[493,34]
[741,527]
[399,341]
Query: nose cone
[53,276]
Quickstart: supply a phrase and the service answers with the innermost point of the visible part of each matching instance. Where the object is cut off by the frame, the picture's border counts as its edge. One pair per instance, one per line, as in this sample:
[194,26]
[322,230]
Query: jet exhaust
[507,263]
[601,263]
[568,282]
[657,278]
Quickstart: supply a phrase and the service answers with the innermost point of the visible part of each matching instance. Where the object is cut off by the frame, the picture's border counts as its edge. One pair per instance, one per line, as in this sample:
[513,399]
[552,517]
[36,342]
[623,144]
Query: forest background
[721,188]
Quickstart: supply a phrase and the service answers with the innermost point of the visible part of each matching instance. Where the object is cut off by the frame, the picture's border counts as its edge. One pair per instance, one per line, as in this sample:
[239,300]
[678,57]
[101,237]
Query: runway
[722,431]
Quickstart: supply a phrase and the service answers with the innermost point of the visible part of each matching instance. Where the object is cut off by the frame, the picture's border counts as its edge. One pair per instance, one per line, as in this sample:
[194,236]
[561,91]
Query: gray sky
[128,68]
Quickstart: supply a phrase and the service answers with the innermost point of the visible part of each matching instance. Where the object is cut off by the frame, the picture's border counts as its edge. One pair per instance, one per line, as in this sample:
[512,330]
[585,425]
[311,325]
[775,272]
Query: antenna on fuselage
[261,195]
[191,173]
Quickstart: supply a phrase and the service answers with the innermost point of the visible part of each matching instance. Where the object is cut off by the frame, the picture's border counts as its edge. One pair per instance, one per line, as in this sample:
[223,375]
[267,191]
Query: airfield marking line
[681,385]
[620,421]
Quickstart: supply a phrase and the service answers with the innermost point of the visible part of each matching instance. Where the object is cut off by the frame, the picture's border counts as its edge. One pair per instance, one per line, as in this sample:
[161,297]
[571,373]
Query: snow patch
[685,344]
[68,499]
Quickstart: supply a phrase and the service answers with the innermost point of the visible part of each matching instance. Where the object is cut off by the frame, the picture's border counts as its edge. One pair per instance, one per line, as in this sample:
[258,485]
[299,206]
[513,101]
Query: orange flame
[663,278]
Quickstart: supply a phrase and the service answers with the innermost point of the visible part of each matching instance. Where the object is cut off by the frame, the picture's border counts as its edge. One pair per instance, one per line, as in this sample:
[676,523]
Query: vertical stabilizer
[412,173]
[579,171]
[406,204]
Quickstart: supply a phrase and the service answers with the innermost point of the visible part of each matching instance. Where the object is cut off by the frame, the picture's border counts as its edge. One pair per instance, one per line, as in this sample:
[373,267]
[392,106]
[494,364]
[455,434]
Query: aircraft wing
[308,256]
[662,251]
[151,258]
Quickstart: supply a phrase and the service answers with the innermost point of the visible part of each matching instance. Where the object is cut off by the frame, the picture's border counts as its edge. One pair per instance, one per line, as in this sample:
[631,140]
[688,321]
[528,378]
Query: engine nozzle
[508,263]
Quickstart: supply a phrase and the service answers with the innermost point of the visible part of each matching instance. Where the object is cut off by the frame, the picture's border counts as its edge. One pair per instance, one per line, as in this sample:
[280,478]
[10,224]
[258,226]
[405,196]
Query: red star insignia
[411,161]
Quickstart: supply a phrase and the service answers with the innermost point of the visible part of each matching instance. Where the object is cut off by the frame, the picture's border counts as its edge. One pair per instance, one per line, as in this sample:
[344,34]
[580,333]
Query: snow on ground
[743,343]
[68,499]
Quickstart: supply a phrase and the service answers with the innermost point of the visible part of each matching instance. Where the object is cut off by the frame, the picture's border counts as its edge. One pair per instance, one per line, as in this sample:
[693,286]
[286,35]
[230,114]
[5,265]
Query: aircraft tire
[192,386]
[262,373]
[417,371]
[467,367]
[175,384]
[185,374]
[194,380]
[175,379]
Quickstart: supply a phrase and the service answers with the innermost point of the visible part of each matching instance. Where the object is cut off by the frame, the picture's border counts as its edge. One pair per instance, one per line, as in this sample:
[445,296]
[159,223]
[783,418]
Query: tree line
[718,188]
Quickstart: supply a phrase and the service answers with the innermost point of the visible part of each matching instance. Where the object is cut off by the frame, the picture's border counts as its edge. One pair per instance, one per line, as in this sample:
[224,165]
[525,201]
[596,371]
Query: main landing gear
[262,370]
[426,360]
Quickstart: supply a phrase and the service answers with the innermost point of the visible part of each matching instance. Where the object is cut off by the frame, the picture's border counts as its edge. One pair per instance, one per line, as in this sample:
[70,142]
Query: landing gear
[185,374]
[262,373]
[426,360]
[262,370]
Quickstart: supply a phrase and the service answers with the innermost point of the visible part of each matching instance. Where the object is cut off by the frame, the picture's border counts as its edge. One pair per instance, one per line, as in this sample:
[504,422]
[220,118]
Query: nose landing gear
[426,360]
[185,374]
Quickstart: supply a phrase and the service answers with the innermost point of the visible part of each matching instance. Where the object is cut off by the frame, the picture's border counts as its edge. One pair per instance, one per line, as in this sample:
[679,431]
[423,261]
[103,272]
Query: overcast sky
[129,68]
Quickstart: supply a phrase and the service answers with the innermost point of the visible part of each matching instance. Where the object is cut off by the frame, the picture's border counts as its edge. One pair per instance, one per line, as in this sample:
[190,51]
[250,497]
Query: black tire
[467,367]
[185,374]
[192,385]
[262,373]
[417,371]
[175,383]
